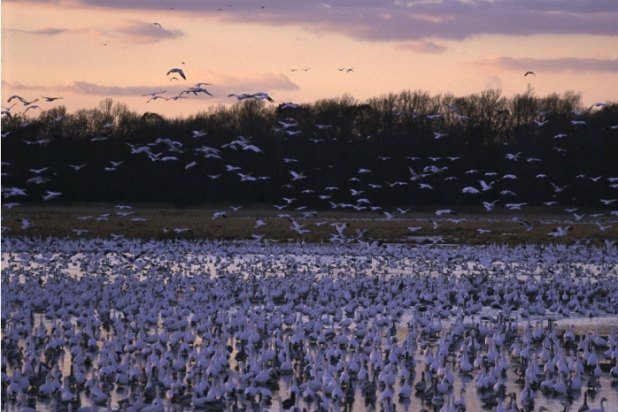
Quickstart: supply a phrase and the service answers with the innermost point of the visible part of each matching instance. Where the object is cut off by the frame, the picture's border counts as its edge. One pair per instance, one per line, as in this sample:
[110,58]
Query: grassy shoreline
[158,221]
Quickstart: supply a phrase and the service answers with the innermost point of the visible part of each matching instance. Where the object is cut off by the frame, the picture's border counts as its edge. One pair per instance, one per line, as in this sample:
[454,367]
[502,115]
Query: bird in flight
[77,167]
[439,135]
[177,70]
[51,99]
[529,72]
[257,96]
[22,100]
[49,195]
[156,98]
[34,106]
[195,90]
[262,96]
[157,25]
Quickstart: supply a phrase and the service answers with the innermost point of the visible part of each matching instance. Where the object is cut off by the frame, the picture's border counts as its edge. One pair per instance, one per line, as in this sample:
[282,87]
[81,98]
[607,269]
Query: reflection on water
[245,325]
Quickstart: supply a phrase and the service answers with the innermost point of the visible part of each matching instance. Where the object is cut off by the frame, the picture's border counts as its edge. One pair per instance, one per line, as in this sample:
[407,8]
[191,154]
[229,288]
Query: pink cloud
[422,46]
[142,32]
[566,64]
[400,20]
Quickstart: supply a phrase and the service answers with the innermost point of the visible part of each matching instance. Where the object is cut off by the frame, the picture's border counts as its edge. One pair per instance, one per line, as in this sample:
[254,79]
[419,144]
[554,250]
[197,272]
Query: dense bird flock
[482,151]
[177,325]
[138,325]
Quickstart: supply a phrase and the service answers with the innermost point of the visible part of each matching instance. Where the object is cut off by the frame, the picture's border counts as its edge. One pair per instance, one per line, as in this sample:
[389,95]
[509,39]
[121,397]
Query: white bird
[177,70]
[297,176]
[284,106]
[470,190]
[77,167]
[252,148]
[486,186]
[515,206]
[26,224]
[560,231]
[489,206]
[38,171]
[540,123]
[34,106]
[355,192]
[439,135]
[262,96]
[51,99]
[49,195]
[199,133]
[195,90]
[13,191]
[256,96]
[523,222]
[558,189]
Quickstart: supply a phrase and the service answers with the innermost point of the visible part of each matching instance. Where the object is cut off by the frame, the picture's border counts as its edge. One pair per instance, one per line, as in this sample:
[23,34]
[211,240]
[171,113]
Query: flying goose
[177,70]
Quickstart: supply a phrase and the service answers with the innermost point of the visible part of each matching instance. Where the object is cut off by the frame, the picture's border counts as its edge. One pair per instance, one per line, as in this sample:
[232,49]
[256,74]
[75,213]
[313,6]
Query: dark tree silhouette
[380,150]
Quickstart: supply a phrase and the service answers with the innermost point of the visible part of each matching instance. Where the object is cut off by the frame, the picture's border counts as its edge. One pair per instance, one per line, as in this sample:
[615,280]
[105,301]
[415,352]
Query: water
[174,283]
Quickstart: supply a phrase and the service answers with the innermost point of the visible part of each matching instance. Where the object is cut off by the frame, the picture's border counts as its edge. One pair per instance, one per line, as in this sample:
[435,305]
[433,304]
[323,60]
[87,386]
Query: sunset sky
[87,50]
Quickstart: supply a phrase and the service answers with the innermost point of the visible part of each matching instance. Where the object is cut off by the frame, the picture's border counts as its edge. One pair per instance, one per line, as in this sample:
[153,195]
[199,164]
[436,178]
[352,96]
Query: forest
[402,149]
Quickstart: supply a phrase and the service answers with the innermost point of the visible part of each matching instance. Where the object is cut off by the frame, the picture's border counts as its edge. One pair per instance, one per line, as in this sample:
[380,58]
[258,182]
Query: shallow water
[323,265]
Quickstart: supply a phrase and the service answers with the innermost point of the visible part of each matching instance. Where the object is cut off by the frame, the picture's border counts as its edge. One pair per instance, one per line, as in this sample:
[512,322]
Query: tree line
[381,150]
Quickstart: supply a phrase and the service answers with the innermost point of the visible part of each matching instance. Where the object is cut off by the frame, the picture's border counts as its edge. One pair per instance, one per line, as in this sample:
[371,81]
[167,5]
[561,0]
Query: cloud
[134,31]
[224,85]
[258,83]
[49,31]
[566,64]
[405,20]
[423,46]
[142,32]
[80,87]
[399,20]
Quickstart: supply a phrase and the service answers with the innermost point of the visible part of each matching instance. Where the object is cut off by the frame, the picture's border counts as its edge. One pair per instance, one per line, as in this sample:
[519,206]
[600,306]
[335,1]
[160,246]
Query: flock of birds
[490,188]
[135,325]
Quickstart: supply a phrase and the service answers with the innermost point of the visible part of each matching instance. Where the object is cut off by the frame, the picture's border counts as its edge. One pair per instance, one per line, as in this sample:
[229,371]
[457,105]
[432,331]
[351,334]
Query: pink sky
[87,50]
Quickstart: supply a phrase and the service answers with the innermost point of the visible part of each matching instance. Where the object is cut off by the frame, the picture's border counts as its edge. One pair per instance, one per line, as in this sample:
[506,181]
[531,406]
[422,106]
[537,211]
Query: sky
[87,50]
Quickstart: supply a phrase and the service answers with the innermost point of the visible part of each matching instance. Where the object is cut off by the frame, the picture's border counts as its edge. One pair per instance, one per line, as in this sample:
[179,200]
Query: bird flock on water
[136,325]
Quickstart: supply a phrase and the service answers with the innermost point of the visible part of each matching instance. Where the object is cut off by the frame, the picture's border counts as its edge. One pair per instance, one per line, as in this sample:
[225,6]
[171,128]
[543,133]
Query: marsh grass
[160,222]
